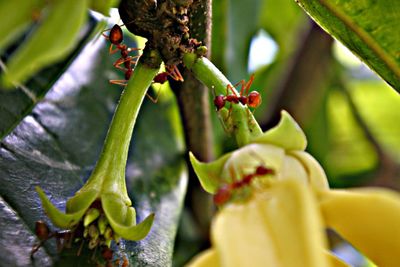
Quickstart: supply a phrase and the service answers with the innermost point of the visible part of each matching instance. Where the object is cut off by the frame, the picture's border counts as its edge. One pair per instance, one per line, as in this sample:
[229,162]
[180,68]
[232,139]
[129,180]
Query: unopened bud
[91,215]
[93,243]
[108,233]
[93,231]
[102,223]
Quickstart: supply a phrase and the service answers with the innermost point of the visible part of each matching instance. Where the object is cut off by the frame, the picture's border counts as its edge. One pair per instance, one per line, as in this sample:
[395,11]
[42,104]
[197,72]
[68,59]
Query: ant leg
[232,89]
[247,86]
[122,60]
[242,83]
[131,49]
[41,243]
[119,82]
[155,100]
[152,99]
[80,248]
[37,247]
[174,73]
[113,51]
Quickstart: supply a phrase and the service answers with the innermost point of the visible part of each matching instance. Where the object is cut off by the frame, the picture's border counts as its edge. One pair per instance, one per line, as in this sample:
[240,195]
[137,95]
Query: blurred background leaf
[368,28]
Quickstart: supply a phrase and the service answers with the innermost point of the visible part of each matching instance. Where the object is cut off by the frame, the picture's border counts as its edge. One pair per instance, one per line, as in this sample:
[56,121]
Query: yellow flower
[283,221]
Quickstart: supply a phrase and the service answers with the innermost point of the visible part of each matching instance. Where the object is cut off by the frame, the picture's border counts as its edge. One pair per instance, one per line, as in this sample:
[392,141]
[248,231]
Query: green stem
[109,172]
[239,120]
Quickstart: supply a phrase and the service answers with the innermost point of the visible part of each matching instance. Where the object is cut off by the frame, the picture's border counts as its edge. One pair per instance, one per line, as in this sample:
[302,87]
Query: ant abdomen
[219,102]
[42,230]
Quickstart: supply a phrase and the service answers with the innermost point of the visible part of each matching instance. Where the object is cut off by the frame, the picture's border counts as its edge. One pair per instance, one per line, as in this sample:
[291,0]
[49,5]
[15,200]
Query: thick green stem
[110,169]
[239,120]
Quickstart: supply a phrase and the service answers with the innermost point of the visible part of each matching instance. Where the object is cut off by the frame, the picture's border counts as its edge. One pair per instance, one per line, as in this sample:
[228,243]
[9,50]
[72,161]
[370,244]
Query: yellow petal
[316,175]
[293,169]
[246,159]
[208,258]
[279,227]
[369,219]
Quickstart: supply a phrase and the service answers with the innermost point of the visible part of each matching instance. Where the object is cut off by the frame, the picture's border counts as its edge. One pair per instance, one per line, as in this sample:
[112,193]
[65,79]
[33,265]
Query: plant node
[165,25]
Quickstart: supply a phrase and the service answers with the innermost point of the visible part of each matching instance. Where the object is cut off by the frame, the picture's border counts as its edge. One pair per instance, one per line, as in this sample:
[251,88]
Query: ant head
[219,102]
[116,36]
[254,99]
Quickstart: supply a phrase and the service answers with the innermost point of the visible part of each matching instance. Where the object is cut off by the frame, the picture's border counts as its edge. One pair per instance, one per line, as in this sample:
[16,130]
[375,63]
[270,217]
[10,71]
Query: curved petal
[209,174]
[293,169]
[316,175]
[278,227]
[287,134]
[59,219]
[81,200]
[122,218]
[207,258]
[368,218]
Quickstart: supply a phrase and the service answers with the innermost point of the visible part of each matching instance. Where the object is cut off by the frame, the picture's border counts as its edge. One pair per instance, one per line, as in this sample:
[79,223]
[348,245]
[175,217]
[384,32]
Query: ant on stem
[116,37]
[252,99]
[63,238]
[171,71]
[224,193]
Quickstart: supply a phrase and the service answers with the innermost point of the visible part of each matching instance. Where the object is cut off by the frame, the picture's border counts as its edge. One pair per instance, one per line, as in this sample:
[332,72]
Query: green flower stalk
[239,121]
[102,205]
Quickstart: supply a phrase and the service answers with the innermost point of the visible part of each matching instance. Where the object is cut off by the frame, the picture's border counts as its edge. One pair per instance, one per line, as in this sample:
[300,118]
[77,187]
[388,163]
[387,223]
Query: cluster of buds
[97,229]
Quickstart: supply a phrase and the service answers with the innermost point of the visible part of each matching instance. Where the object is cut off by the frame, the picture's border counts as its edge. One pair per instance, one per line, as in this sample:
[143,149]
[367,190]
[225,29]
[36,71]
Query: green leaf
[239,35]
[57,145]
[102,6]
[368,28]
[54,38]
[282,20]
[15,16]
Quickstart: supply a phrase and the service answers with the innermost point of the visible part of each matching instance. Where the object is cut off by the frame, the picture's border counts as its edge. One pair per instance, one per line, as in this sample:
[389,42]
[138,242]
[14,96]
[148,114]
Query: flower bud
[102,223]
[91,215]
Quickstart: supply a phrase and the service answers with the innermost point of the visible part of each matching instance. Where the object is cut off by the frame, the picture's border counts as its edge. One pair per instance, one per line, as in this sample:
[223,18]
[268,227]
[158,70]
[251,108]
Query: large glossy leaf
[56,147]
[369,28]
[16,104]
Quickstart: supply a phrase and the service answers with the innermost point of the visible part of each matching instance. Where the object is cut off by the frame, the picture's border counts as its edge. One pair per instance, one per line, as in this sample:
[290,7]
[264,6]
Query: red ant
[252,99]
[224,193]
[63,238]
[171,71]
[116,37]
